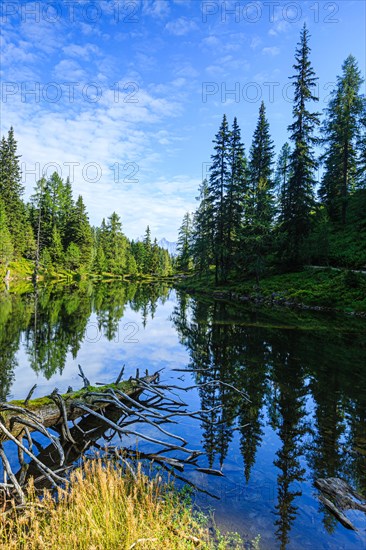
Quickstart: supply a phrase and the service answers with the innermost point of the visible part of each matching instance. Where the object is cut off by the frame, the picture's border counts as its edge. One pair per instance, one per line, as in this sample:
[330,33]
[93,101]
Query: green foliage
[72,257]
[298,195]
[341,135]
[259,205]
[11,191]
[6,245]
[183,246]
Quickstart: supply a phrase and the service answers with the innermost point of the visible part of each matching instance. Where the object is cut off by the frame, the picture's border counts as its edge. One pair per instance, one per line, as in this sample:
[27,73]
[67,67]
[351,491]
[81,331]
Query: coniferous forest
[258,216]
[53,230]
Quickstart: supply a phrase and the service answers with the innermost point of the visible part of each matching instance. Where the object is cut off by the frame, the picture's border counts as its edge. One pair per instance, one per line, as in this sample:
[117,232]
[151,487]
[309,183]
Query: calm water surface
[305,375]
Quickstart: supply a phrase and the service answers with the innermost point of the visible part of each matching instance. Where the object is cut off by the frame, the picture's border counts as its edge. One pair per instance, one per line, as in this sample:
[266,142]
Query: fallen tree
[74,421]
[56,409]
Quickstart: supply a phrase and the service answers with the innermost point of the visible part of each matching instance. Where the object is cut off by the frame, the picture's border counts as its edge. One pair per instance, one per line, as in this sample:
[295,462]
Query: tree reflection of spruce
[58,326]
[212,345]
[325,455]
[288,377]
[252,369]
[15,314]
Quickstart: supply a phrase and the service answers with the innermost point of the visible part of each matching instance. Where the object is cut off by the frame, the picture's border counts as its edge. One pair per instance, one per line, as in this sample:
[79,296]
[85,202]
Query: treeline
[54,231]
[255,217]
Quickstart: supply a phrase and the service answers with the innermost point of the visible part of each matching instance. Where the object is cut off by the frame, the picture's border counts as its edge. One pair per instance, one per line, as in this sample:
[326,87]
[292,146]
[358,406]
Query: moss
[126,386]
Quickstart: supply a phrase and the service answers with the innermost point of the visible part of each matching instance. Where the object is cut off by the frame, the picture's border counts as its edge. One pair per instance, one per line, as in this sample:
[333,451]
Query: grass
[344,290]
[108,509]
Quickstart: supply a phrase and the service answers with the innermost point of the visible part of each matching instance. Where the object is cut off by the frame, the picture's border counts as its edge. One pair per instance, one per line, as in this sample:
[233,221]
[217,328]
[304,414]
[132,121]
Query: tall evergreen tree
[115,245]
[340,136]
[147,251]
[6,245]
[282,175]
[217,187]
[299,198]
[11,191]
[202,231]
[184,243]
[80,233]
[361,161]
[235,197]
[260,200]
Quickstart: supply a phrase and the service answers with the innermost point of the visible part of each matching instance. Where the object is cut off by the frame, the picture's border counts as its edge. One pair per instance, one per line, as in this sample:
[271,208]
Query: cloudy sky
[125,96]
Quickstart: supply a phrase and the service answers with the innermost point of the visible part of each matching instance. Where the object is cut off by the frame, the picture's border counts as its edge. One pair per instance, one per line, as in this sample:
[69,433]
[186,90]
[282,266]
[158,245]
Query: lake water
[305,375]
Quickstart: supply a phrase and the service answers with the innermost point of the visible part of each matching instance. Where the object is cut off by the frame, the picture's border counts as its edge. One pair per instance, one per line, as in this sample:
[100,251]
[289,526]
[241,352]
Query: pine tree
[155,258]
[66,209]
[72,257]
[235,198]
[299,198]
[147,267]
[260,201]
[217,187]
[80,233]
[6,245]
[56,250]
[282,176]
[340,136]
[361,146]
[184,244]
[11,191]
[202,246]
[115,245]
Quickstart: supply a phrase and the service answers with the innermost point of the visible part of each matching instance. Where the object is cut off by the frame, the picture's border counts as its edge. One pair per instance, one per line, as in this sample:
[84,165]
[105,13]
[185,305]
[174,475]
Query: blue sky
[126,96]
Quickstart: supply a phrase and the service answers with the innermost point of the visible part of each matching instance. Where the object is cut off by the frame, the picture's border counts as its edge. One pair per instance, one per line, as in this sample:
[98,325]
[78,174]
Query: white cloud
[181,26]
[85,52]
[69,70]
[255,42]
[272,50]
[159,9]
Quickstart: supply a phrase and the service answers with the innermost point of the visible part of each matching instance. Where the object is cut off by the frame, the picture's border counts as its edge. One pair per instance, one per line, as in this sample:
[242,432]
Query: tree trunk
[48,412]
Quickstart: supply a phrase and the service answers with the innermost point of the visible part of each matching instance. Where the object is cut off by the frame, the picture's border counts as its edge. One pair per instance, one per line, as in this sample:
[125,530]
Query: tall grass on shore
[106,509]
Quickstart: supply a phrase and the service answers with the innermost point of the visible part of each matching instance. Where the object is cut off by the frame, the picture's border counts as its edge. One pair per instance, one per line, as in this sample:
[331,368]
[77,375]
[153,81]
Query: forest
[52,236]
[257,216]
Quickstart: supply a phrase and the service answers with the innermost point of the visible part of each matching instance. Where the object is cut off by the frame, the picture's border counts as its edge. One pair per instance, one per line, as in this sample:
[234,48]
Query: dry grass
[105,509]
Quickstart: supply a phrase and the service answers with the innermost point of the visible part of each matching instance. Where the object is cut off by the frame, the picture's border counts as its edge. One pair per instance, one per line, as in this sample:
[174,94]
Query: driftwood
[52,410]
[338,496]
[73,423]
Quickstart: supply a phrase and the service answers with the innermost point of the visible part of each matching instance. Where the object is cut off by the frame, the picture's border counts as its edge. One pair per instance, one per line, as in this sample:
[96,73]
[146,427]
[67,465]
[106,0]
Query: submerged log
[337,496]
[48,411]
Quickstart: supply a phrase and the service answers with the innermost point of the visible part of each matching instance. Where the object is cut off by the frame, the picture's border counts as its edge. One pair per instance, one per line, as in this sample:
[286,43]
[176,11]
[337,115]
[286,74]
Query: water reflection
[54,321]
[309,385]
[305,376]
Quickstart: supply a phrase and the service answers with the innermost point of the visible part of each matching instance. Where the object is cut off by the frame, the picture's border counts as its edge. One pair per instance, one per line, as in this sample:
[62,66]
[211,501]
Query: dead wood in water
[338,496]
[74,421]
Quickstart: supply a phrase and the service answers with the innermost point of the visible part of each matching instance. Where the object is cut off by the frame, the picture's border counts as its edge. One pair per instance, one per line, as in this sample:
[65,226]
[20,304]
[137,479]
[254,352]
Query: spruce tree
[115,245]
[184,243]
[340,136]
[361,146]
[282,175]
[147,251]
[11,191]
[202,232]
[260,198]
[6,245]
[80,233]
[299,198]
[235,197]
[217,187]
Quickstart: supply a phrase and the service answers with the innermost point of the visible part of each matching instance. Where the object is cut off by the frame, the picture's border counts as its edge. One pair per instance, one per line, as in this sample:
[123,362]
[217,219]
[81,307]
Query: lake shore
[311,289]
